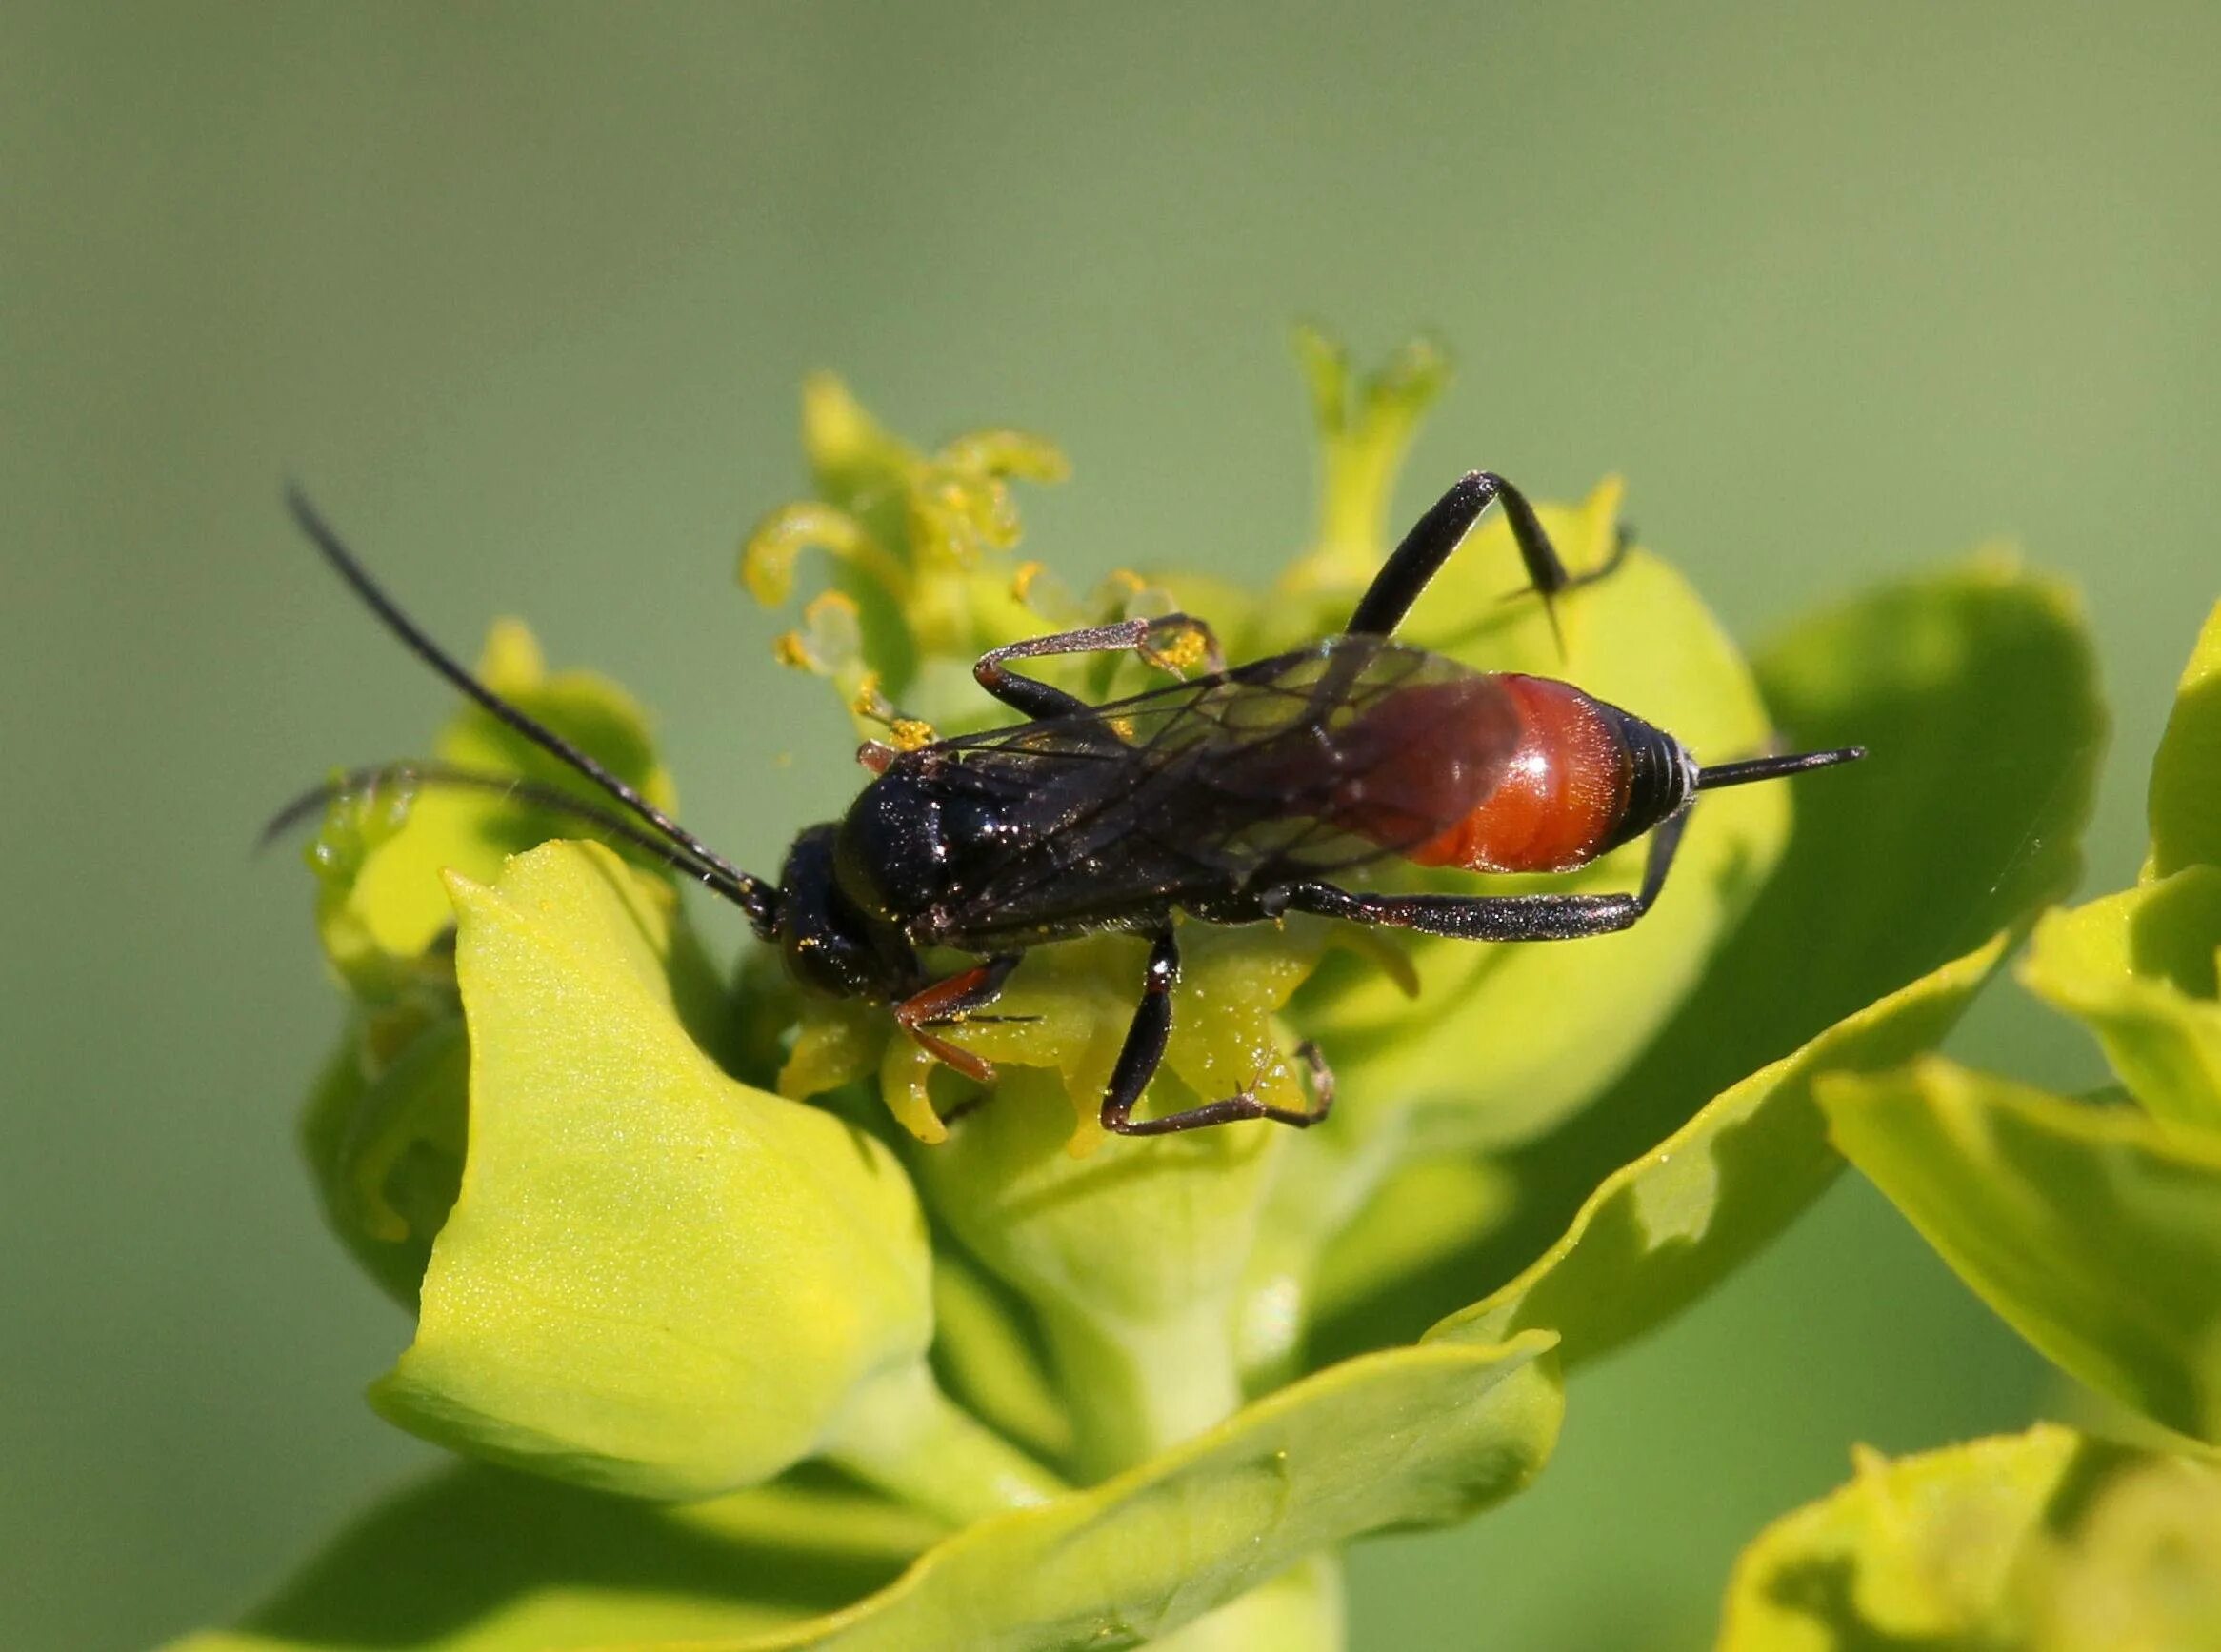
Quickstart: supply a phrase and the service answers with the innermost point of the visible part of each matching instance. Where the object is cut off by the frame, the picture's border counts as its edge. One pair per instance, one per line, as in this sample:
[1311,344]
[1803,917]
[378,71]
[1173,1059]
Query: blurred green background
[523,294]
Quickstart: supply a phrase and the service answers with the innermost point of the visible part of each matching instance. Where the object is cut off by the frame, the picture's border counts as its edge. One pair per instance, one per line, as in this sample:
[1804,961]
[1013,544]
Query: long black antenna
[413,774]
[1743,773]
[751,894]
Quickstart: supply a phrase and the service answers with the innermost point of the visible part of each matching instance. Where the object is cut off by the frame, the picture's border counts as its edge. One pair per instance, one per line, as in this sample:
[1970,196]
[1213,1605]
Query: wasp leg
[1412,567]
[1496,917]
[952,999]
[1172,640]
[1143,1052]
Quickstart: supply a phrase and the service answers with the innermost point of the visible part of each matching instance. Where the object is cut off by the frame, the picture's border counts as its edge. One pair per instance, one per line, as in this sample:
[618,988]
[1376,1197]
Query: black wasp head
[828,943]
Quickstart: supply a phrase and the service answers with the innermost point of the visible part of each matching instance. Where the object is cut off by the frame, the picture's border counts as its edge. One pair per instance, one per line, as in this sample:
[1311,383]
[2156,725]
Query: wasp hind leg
[1143,1052]
[1496,917]
[1171,641]
[1412,567]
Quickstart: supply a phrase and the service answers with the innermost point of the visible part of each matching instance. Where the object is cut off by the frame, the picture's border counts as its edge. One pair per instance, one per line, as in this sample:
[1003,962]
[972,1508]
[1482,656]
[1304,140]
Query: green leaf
[1660,1232]
[654,1279]
[1918,1552]
[2138,969]
[1975,691]
[2044,1542]
[384,1142]
[2185,801]
[1412,1437]
[2095,1234]
[1298,1611]
[480,1560]
[384,1130]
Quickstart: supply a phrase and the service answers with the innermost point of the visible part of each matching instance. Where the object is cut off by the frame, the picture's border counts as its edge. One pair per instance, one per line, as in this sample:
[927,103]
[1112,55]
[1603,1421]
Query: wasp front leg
[1143,1052]
[1174,643]
[953,999]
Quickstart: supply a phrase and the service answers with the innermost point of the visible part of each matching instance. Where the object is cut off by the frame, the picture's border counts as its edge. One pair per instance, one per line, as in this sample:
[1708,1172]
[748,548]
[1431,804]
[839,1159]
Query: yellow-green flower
[682,1234]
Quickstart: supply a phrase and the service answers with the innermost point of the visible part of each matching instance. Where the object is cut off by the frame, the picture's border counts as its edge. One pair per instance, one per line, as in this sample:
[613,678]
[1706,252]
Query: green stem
[903,1435]
[1139,1386]
[1366,430]
[1315,1198]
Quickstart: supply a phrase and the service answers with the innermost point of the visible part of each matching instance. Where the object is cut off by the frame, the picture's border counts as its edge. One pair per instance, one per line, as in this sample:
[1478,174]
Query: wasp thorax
[914,839]
[891,856]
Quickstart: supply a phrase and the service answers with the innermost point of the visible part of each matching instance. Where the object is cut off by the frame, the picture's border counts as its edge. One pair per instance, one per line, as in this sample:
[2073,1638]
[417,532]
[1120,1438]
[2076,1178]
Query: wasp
[1237,796]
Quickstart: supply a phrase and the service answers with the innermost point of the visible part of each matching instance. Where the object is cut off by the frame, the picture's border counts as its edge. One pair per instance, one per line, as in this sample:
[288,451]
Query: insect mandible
[1234,797]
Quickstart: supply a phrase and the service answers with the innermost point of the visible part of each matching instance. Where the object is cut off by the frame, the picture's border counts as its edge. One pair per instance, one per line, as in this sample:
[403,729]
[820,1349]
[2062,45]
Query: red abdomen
[1530,774]
[1561,794]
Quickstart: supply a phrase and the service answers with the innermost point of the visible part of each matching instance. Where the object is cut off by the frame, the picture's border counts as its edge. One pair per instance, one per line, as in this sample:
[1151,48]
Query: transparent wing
[1296,767]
